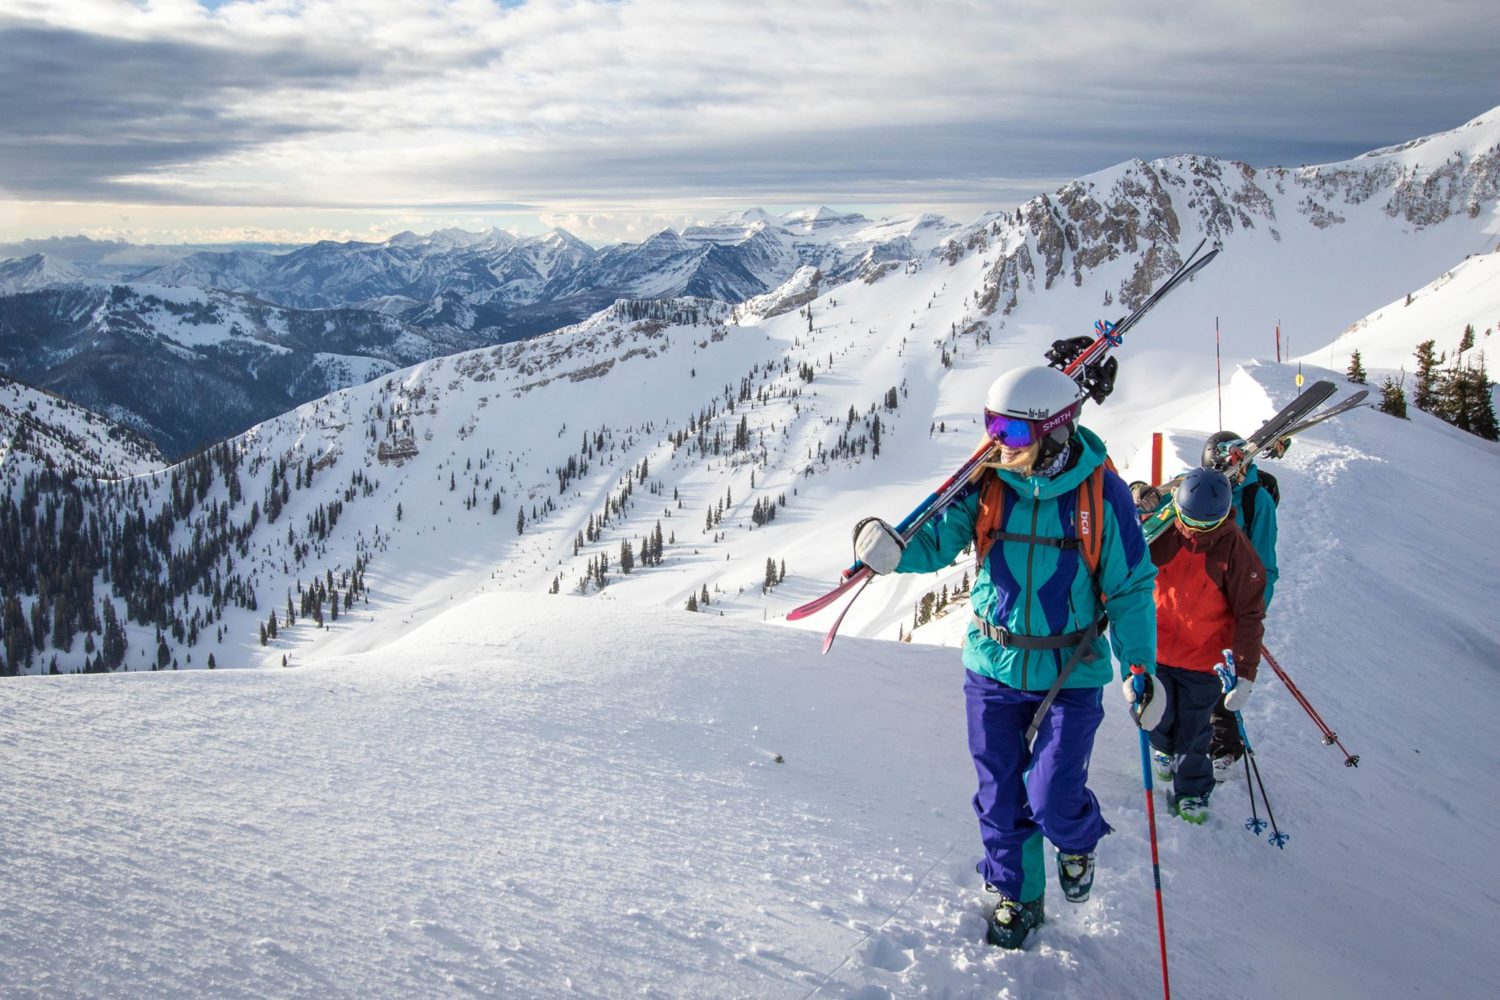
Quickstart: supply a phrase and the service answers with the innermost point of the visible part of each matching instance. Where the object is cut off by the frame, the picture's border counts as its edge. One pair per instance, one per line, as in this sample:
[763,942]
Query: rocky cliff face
[1142,212]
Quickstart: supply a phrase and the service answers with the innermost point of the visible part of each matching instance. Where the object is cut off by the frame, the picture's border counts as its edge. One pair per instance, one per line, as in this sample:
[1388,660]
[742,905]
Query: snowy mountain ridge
[40,430]
[732,431]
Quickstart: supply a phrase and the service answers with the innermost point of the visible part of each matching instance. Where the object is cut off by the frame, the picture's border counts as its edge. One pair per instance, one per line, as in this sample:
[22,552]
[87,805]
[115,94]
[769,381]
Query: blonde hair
[1024,462]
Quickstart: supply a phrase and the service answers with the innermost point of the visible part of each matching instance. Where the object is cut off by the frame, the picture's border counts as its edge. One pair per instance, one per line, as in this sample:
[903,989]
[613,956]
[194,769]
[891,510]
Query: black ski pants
[1185,730]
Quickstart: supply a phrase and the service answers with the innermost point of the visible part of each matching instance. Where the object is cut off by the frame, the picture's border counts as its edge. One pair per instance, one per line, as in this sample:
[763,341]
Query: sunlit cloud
[649,109]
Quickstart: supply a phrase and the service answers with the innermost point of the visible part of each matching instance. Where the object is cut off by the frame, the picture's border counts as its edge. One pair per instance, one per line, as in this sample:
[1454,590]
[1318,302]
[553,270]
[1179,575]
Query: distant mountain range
[238,336]
[187,367]
[204,345]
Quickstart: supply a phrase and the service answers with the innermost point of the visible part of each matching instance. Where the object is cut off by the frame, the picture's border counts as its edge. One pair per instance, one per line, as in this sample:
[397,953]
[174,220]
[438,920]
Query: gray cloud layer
[858,100]
[80,108]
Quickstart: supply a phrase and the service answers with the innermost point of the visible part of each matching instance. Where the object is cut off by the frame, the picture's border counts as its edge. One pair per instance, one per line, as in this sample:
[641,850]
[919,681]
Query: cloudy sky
[196,120]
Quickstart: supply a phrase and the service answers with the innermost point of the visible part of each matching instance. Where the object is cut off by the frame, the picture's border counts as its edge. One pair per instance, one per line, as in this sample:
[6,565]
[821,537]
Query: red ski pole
[1139,680]
[1329,736]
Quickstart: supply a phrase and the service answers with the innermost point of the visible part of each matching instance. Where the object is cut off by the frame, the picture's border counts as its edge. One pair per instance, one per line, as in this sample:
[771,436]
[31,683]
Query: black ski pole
[1279,839]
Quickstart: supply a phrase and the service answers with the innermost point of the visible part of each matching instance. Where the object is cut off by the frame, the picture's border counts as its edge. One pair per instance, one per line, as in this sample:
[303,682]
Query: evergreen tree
[1356,372]
[1467,340]
[115,645]
[1393,398]
[692,602]
[1425,389]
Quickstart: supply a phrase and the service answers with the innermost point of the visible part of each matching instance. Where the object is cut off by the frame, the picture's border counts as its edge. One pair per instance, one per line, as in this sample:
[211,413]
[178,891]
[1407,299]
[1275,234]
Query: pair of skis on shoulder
[1291,420]
[1080,365]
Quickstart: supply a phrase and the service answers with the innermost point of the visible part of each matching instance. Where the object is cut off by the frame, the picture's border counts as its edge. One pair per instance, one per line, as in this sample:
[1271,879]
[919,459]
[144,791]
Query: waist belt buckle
[1000,634]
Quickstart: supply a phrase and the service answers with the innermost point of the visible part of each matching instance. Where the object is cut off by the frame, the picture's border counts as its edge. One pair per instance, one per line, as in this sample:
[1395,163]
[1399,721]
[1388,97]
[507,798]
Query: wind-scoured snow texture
[39,430]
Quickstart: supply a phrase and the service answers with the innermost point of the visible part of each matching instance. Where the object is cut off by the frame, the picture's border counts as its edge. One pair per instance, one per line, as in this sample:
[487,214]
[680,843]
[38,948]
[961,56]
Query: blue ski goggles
[1021,432]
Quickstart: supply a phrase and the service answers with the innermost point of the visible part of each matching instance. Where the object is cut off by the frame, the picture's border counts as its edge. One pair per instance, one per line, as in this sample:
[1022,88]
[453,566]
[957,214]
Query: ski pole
[1277,838]
[1254,824]
[1138,681]
[1329,736]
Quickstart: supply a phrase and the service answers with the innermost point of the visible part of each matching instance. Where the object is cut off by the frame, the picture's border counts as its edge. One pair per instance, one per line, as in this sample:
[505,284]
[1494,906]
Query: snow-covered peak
[1474,135]
[406,238]
[39,270]
[821,218]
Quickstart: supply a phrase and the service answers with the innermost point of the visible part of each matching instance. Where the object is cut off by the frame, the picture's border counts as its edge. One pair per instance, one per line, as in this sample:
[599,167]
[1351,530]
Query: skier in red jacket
[1210,596]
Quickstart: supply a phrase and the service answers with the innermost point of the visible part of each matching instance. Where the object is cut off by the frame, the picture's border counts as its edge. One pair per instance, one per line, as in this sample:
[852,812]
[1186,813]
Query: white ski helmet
[1034,403]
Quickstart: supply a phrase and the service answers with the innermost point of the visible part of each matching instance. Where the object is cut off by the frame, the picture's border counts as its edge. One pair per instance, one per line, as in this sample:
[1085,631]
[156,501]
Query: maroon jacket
[1210,596]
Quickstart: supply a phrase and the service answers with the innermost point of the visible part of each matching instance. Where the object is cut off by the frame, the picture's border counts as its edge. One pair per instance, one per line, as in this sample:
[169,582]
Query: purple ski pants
[1026,795]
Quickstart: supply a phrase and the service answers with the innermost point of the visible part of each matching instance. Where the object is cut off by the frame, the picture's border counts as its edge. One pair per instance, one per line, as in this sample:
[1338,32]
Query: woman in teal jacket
[1035,655]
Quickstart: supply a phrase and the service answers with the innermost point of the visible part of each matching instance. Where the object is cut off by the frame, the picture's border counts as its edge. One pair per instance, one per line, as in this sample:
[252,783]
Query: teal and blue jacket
[1262,533]
[1041,590]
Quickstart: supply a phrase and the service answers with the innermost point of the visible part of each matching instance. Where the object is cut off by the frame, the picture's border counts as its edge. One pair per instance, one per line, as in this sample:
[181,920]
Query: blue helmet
[1204,497]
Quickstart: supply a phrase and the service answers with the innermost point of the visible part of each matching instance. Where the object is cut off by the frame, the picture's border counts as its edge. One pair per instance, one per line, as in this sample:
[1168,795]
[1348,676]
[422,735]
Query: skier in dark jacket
[1210,596]
[1038,615]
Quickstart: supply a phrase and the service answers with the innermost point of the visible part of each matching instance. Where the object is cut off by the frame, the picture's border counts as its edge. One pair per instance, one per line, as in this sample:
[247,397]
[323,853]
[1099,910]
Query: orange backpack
[1088,522]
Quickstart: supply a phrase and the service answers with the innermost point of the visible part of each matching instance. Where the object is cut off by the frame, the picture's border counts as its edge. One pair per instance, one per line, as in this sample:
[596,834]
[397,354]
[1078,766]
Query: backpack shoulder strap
[991,516]
[1089,512]
[1247,504]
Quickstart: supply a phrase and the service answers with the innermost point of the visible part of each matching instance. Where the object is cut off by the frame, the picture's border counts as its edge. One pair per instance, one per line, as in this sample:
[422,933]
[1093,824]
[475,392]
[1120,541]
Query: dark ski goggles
[1020,432]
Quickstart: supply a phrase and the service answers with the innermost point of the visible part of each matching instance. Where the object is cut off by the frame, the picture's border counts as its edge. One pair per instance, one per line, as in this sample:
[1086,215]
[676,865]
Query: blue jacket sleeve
[1128,578]
[941,539]
[1263,539]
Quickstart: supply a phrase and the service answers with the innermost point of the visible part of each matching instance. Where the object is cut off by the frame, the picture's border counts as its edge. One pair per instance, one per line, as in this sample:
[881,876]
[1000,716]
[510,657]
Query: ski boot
[1075,873]
[1224,767]
[1010,923]
[1163,764]
[1190,808]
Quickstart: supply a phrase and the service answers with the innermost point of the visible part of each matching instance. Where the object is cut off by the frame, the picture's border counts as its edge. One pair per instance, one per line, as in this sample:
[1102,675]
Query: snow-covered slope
[1468,295]
[39,430]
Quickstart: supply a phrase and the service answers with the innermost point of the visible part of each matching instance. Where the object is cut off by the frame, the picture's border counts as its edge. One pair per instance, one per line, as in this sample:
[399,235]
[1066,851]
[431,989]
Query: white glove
[877,545]
[1239,695]
[1153,702]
